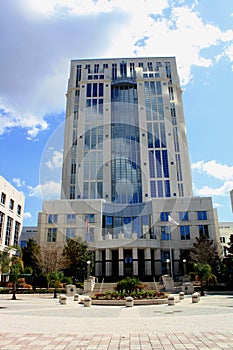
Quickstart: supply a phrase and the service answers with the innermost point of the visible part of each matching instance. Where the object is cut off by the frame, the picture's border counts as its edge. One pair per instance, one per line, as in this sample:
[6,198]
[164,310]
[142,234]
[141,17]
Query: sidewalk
[42,323]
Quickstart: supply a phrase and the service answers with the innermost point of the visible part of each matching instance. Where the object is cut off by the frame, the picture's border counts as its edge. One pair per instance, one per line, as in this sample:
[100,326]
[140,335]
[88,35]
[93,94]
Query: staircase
[104,287]
[109,287]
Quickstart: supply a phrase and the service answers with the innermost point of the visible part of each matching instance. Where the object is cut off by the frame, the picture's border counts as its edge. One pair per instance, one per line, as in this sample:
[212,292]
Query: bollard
[181,295]
[76,297]
[129,302]
[195,297]
[62,299]
[87,301]
[171,300]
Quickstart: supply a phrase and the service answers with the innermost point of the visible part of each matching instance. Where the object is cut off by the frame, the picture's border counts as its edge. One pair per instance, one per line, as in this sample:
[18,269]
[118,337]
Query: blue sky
[38,40]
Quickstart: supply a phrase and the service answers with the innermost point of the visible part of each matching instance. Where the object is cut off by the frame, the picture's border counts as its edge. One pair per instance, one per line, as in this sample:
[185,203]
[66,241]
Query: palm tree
[204,272]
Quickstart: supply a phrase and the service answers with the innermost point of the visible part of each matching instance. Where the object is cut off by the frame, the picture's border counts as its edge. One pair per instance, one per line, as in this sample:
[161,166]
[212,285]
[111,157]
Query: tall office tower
[125,138]
[126,180]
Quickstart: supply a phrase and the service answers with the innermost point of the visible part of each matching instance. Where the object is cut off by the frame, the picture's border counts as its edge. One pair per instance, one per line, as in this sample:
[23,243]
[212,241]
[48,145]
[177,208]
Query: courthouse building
[126,180]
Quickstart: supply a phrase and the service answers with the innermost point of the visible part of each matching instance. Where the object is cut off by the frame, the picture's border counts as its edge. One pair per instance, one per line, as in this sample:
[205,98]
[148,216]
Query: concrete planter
[129,302]
[87,301]
[181,295]
[62,299]
[76,297]
[171,300]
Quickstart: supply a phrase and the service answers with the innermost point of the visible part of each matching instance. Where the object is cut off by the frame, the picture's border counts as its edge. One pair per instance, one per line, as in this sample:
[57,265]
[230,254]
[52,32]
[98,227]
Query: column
[108,262]
[157,262]
[176,261]
[147,261]
[135,261]
[98,262]
[121,261]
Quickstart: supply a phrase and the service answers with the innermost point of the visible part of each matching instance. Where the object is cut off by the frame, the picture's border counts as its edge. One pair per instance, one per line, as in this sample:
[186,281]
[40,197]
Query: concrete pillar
[135,261]
[98,262]
[176,260]
[147,261]
[108,262]
[121,261]
[157,262]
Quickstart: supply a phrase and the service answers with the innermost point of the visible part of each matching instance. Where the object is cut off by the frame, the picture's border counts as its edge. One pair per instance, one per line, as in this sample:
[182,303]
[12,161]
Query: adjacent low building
[27,233]
[11,214]
[225,231]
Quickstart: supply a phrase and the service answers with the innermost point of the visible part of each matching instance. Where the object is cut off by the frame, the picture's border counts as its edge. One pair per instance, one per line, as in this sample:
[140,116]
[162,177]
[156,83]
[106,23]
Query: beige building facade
[11,214]
[126,179]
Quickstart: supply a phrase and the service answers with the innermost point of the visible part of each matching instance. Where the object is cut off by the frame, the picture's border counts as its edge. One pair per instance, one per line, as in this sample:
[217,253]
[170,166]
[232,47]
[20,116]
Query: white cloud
[27,215]
[219,171]
[217,205]
[19,183]
[223,190]
[47,191]
[41,37]
[56,160]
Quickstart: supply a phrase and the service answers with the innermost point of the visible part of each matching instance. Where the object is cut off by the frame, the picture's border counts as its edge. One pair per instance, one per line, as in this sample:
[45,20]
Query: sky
[39,39]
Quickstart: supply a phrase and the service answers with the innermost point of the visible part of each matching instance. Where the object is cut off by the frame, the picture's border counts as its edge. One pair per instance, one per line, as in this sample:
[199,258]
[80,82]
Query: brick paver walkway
[38,323]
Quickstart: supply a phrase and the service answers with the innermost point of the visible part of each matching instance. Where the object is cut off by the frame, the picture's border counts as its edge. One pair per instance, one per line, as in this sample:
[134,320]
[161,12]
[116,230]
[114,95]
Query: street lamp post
[88,269]
[185,267]
[168,266]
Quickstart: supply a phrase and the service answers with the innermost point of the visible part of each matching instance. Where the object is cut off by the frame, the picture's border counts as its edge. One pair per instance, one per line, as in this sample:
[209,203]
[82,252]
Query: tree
[55,278]
[5,262]
[76,254]
[204,272]
[230,245]
[204,251]
[32,260]
[51,260]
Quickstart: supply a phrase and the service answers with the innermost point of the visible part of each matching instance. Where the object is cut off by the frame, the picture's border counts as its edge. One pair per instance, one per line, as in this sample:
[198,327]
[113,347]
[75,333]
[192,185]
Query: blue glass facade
[126,182]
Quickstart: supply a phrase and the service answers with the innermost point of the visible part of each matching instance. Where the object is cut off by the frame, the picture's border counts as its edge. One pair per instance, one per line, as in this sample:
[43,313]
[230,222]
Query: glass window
[160,188]
[96,68]
[52,218]
[89,90]
[1,223]
[109,221]
[52,235]
[16,233]
[89,236]
[166,233]
[164,216]
[8,230]
[201,215]
[184,232]
[11,204]
[151,164]
[70,218]
[167,188]
[101,89]
[90,218]
[137,226]
[145,224]
[114,71]
[70,232]
[95,89]
[183,216]
[203,230]
[19,209]
[3,198]
[165,164]
[153,189]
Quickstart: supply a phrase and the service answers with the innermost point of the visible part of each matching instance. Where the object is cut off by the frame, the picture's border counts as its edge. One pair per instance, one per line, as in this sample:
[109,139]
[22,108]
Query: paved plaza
[40,322]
